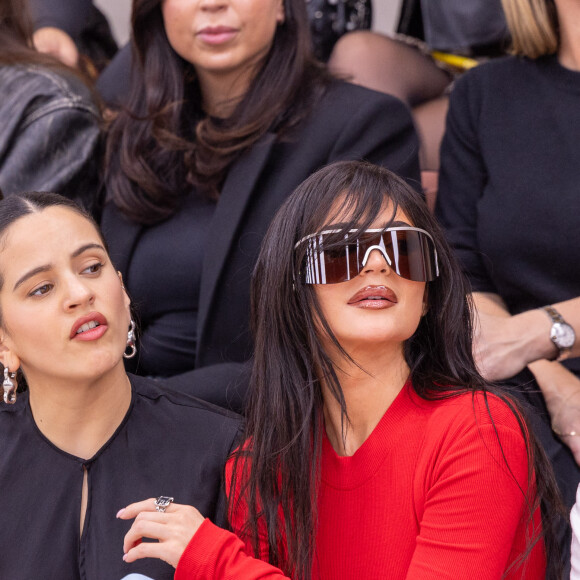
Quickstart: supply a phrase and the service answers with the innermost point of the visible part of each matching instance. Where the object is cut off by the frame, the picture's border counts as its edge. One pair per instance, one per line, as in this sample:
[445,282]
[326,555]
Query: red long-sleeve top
[438,491]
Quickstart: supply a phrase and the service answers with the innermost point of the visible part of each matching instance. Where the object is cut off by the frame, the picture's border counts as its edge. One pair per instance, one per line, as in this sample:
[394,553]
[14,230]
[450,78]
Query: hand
[173,529]
[565,414]
[57,43]
[496,351]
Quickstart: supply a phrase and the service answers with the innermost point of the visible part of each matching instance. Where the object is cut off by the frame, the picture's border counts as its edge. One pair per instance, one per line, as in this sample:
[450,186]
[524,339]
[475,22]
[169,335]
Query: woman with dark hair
[79,436]
[228,114]
[373,446]
[49,123]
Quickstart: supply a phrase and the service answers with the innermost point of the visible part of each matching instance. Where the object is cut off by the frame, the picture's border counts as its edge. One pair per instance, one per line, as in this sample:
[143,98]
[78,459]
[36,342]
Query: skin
[225,40]
[372,336]
[57,43]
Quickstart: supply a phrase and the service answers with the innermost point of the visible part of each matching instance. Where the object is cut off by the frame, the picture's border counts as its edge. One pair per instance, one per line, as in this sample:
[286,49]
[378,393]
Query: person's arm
[475,514]
[193,545]
[506,344]
[561,390]
[501,351]
[462,180]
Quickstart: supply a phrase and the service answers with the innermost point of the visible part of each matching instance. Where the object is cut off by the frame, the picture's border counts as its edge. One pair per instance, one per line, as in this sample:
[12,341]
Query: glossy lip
[93,333]
[374,297]
[217,34]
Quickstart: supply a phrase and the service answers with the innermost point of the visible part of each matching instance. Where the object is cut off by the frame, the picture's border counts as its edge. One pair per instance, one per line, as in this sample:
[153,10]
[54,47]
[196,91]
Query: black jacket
[348,123]
[49,134]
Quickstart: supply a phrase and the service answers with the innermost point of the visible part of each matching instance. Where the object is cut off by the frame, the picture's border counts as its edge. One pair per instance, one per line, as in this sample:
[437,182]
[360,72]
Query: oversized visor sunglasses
[408,251]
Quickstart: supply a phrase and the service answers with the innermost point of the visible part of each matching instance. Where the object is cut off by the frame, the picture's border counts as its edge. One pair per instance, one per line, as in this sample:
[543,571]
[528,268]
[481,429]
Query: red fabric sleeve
[217,553]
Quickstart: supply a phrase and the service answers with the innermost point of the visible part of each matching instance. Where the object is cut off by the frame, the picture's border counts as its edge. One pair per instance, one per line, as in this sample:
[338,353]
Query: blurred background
[385,13]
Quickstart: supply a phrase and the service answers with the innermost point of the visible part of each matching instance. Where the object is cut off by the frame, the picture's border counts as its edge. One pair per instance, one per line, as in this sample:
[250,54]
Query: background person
[508,199]
[49,122]
[223,123]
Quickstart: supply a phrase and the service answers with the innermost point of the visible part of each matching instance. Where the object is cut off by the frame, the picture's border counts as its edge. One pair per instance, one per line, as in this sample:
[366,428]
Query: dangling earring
[130,342]
[9,386]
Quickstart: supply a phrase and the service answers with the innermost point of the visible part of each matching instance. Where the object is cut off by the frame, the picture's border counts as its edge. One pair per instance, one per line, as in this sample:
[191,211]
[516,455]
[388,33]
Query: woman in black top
[83,436]
[228,113]
[508,199]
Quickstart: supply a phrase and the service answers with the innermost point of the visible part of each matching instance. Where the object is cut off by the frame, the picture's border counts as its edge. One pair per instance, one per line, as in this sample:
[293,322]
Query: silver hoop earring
[130,342]
[10,385]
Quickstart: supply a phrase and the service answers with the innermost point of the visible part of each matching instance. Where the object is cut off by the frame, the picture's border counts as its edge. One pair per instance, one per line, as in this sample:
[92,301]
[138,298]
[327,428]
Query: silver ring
[162,503]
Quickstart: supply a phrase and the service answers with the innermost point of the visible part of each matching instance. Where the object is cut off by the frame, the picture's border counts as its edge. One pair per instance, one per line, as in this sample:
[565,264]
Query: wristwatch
[561,333]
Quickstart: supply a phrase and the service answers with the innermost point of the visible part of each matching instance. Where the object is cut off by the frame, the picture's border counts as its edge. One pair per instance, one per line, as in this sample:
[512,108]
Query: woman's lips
[374,298]
[89,327]
[216,34]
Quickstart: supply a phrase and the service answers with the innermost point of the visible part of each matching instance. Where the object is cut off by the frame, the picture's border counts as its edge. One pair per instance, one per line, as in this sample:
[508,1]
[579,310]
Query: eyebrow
[47,267]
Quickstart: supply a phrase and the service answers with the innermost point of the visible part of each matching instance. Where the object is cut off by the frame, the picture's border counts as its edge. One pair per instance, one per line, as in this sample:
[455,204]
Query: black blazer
[349,123]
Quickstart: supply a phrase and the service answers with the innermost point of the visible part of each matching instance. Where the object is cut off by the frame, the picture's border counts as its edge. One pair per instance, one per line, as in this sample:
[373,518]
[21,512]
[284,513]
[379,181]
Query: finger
[149,550]
[144,529]
[134,509]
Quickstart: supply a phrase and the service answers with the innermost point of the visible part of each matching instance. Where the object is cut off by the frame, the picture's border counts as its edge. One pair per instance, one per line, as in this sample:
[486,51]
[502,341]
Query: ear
[281,13]
[127,299]
[8,357]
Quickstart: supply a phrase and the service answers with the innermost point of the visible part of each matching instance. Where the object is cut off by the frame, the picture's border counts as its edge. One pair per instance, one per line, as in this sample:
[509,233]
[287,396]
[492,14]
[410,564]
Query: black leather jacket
[49,134]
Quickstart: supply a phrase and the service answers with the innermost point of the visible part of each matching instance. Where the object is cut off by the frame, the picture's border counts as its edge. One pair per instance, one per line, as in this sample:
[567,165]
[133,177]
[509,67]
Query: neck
[219,103]
[569,21]
[221,92]
[80,417]
[368,394]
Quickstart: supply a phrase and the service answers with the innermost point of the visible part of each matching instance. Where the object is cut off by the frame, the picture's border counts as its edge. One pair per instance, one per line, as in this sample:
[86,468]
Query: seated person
[419,63]
[219,130]
[80,437]
[508,200]
[373,446]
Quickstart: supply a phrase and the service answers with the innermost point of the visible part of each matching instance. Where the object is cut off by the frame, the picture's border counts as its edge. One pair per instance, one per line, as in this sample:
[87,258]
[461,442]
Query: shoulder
[42,90]
[467,411]
[180,405]
[345,103]
[504,73]
[474,426]
[346,93]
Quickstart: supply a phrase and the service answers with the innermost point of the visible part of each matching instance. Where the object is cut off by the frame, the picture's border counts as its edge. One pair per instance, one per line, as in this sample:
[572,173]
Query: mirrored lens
[410,253]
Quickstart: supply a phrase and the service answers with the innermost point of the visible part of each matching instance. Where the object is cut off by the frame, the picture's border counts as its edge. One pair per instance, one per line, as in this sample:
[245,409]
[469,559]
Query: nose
[213,5]
[376,261]
[77,292]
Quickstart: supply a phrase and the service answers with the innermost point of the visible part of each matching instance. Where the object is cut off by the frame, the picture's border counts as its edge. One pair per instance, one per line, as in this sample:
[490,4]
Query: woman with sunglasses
[79,436]
[373,447]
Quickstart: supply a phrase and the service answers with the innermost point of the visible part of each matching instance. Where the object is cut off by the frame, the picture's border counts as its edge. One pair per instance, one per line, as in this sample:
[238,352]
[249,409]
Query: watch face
[563,335]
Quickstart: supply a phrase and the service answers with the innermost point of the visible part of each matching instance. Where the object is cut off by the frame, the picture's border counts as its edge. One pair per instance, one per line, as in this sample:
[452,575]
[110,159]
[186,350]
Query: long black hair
[161,144]
[279,468]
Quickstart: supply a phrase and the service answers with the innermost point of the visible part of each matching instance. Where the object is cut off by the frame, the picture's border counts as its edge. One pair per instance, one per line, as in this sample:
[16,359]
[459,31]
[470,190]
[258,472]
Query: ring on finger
[162,503]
